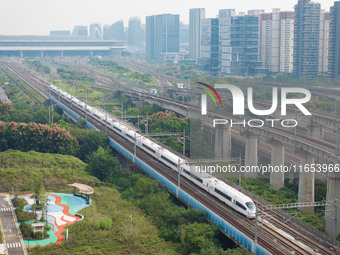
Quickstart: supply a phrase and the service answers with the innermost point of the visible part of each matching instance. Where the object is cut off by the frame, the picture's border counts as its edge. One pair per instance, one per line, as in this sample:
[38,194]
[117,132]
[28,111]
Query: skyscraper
[277,40]
[286,41]
[334,41]
[324,41]
[195,32]
[224,19]
[209,60]
[245,45]
[162,35]
[135,32]
[306,38]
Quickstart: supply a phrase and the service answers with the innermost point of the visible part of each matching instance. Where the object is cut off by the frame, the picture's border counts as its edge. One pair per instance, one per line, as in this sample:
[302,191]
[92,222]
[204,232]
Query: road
[14,243]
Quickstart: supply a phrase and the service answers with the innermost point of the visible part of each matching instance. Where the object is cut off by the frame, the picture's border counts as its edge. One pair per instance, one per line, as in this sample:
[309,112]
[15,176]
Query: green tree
[103,165]
[150,109]
[89,141]
[196,236]
[133,111]
[26,230]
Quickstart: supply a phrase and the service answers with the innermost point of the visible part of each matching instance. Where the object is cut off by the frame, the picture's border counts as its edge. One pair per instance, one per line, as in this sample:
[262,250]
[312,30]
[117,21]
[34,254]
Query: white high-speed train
[233,198]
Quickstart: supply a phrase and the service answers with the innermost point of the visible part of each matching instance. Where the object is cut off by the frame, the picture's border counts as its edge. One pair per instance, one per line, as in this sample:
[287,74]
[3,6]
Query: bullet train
[230,196]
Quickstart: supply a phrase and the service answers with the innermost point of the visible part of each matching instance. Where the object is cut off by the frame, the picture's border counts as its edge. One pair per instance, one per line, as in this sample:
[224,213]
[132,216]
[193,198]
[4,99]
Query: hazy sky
[40,16]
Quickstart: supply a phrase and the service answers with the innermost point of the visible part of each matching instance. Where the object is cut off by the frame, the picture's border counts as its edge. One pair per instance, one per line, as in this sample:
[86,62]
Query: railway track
[26,91]
[242,223]
[174,180]
[234,218]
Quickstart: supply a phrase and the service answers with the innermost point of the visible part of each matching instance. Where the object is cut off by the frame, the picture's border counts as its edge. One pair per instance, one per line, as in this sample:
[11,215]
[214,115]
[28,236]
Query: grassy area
[112,226]
[20,170]
[114,69]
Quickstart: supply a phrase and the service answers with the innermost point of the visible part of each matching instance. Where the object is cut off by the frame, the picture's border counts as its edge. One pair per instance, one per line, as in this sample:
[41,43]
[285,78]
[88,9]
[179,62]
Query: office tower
[334,41]
[135,32]
[306,38]
[277,40]
[80,31]
[324,42]
[209,60]
[224,20]
[96,31]
[245,45]
[115,32]
[162,35]
[195,32]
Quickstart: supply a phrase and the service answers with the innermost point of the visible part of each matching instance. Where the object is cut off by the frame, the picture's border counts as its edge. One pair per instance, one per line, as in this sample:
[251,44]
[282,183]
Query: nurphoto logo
[239,105]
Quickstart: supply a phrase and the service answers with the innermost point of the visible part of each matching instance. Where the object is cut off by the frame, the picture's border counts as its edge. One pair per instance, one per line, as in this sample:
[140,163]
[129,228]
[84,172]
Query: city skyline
[64,15]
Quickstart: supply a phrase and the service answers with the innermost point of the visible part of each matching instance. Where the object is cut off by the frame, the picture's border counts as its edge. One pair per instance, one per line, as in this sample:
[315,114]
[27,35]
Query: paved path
[13,242]
[3,97]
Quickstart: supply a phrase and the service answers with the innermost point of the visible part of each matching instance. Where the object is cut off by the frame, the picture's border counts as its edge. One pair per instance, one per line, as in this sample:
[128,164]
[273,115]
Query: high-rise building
[195,32]
[80,31]
[209,61]
[270,40]
[224,20]
[324,42]
[162,35]
[277,40]
[96,31]
[115,32]
[306,38]
[286,42]
[334,41]
[245,45]
[135,32]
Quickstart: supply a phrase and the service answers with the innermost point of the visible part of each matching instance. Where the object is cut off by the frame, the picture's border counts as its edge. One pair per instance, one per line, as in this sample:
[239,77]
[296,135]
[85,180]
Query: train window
[250,205]
[117,129]
[169,161]
[223,194]
[130,136]
[241,206]
[186,171]
[199,179]
[150,149]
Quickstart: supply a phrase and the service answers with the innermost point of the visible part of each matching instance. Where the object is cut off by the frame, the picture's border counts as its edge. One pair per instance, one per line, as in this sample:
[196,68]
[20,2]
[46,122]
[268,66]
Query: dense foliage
[103,165]
[183,226]
[5,108]
[21,112]
[38,137]
[89,140]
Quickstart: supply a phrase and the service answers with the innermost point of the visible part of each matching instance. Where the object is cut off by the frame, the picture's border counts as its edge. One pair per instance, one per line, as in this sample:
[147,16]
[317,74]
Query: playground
[62,211]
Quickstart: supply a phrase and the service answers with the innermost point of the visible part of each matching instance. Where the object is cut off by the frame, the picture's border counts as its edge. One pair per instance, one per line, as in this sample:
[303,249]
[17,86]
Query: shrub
[104,223]
[38,137]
